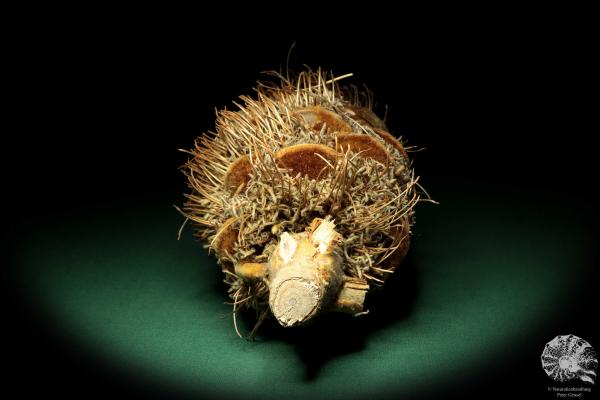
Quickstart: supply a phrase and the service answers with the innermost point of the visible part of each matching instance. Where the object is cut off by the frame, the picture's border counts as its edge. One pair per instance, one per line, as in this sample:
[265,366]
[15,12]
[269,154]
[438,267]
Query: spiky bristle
[371,197]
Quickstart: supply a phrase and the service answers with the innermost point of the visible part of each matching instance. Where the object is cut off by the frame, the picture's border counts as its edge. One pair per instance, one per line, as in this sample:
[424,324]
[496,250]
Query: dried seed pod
[300,224]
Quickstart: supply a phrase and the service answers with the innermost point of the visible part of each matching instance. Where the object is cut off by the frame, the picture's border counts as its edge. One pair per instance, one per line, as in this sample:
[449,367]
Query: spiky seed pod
[304,196]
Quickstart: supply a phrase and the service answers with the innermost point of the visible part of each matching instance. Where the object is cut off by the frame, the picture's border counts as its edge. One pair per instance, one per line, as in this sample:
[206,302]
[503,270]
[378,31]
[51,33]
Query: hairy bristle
[237,179]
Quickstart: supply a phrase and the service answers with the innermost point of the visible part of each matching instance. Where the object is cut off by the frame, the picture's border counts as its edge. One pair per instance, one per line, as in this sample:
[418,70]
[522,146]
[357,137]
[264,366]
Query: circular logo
[569,357]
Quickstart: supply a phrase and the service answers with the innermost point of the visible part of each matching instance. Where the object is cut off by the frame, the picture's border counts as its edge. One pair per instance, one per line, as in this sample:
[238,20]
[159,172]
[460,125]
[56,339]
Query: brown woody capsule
[299,223]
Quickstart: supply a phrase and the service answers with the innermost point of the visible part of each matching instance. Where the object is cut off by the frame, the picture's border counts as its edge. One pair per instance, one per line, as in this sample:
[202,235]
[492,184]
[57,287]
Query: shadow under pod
[334,335]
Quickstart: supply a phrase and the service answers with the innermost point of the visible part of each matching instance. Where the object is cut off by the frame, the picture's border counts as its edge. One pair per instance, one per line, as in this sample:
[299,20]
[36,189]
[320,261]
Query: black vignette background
[103,108]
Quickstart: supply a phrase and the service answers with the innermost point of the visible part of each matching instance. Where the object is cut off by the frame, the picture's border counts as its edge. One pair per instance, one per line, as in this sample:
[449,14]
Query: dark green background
[489,268]
[107,303]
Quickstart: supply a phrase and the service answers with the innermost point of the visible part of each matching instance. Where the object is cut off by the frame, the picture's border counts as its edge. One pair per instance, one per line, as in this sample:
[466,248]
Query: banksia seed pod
[304,196]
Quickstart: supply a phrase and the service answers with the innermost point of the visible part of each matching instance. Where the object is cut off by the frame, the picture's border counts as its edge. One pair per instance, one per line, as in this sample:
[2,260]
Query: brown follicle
[364,114]
[238,173]
[316,117]
[306,159]
[226,238]
[393,141]
[402,240]
[366,145]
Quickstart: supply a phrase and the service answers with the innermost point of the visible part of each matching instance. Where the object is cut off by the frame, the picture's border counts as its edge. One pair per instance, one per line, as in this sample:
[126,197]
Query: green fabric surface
[487,265]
